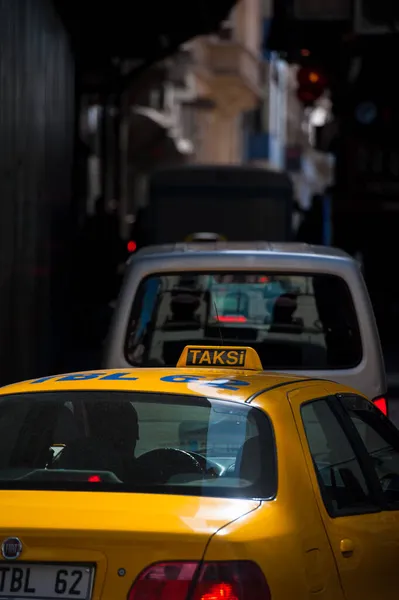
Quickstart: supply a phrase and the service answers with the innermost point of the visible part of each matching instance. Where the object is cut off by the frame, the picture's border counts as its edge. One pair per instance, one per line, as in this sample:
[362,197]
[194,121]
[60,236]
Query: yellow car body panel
[114,531]
[151,380]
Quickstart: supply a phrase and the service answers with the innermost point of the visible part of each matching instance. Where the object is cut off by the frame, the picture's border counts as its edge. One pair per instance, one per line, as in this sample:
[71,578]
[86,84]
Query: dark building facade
[37,132]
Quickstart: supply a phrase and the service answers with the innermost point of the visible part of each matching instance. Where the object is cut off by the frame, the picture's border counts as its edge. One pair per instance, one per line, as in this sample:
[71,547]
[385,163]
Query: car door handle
[346,547]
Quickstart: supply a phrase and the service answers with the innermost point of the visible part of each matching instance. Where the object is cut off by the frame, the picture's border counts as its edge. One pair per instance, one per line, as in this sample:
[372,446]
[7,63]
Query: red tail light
[235,580]
[94,479]
[382,404]
[231,319]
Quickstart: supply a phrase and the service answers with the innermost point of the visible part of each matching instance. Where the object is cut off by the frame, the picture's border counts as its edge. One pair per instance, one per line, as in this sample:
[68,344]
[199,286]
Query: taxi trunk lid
[93,545]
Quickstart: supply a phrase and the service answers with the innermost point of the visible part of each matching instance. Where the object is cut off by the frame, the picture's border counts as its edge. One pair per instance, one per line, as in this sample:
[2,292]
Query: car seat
[111,443]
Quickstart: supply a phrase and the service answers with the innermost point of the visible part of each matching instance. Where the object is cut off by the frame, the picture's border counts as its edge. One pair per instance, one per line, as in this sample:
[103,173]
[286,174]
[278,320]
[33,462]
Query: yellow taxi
[209,481]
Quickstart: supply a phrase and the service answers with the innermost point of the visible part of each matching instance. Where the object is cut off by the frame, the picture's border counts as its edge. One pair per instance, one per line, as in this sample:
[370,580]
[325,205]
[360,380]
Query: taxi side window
[343,484]
[381,440]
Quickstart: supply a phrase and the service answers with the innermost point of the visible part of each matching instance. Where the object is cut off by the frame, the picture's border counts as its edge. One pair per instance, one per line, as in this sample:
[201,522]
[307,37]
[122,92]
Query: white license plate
[45,581]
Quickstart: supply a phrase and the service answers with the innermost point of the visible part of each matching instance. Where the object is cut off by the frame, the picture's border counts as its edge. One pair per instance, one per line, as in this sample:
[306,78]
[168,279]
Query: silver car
[305,309]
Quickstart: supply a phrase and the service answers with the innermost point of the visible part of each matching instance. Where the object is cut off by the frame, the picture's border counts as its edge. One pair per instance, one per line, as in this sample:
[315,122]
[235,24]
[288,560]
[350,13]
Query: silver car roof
[269,249]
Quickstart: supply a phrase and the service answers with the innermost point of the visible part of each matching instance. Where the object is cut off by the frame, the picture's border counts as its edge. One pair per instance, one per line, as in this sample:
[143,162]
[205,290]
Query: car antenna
[220,329]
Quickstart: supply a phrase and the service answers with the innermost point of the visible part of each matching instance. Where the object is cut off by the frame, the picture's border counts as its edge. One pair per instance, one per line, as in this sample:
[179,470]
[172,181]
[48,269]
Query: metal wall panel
[37,105]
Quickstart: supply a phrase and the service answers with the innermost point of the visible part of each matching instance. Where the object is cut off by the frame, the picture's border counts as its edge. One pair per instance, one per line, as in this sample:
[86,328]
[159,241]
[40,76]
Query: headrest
[113,421]
[184,304]
[66,429]
[287,301]
[248,460]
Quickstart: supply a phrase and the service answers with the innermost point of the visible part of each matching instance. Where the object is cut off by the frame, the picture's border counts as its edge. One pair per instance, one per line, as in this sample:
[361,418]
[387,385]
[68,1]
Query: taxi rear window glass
[296,321]
[136,442]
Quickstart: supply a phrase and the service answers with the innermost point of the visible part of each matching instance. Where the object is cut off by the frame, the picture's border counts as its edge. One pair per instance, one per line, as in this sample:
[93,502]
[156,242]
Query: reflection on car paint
[223,384]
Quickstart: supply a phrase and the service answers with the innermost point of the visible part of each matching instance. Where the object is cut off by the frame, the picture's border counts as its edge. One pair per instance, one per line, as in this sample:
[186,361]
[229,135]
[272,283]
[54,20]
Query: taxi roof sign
[230,357]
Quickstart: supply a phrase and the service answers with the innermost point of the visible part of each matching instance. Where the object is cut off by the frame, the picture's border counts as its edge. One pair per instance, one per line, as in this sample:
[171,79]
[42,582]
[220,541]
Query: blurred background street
[97,107]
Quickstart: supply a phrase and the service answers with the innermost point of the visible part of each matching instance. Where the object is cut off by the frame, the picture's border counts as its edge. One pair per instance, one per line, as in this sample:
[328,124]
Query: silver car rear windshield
[136,442]
[293,321]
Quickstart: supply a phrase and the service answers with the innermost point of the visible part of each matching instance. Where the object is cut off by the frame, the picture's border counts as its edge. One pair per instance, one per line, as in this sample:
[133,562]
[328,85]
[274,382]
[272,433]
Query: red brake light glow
[220,591]
[131,246]
[233,580]
[382,404]
[231,319]
[94,479]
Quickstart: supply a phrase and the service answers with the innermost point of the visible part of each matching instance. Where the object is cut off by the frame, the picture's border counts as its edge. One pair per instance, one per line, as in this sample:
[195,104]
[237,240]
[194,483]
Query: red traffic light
[131,246]
[311,84]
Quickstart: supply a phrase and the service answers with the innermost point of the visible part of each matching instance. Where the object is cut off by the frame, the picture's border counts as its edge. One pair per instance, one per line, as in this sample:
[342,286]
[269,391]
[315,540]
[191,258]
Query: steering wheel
[230,471]
[161,464]
[210,468]
[386,479]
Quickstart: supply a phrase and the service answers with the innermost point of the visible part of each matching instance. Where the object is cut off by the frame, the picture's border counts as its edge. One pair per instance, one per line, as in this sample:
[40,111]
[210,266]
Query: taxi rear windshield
[293,321]
[136,442]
